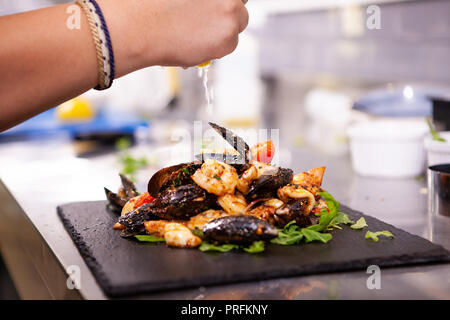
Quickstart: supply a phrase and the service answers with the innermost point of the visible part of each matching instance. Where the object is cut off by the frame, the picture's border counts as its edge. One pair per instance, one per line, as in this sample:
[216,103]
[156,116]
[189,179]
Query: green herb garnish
[177,181]
[123,143]
[433,131]
[340,218]
[205,246]
[311,235]
[289,235]
[360,224]
[374,235]
[149,238]
[130,165]
[217,177]
[326,216]
[185,170]
[329,219]
[198,233]
[255,247]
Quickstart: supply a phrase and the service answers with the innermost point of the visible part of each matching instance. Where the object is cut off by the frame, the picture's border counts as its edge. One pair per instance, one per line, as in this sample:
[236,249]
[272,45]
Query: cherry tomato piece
[263,151]
[143,199]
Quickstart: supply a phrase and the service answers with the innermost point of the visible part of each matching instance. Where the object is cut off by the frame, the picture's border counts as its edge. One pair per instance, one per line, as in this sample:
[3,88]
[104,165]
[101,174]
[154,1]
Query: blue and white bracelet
[102,41]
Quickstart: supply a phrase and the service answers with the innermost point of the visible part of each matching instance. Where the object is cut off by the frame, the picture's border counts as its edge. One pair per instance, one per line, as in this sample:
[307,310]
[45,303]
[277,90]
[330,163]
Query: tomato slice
[263,151]
[143,199]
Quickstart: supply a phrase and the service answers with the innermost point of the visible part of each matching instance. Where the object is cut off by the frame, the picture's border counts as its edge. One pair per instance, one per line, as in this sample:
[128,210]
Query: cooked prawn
[156,227]
[199,221]
[129,206]
[255,170]
[178,235]
[313,176]
[293,191]
[233,203]
[216,177]
[266,211]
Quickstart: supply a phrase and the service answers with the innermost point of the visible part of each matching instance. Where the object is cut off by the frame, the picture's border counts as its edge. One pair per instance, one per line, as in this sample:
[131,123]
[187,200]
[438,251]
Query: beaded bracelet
[102,41]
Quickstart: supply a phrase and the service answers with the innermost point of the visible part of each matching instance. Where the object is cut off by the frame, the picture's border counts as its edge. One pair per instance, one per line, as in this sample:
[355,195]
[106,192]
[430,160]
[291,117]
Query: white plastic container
[388,148]
[438,152]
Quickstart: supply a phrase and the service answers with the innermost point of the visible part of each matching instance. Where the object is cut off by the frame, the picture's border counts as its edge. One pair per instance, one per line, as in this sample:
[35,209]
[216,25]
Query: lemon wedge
[204,64]
[77,109]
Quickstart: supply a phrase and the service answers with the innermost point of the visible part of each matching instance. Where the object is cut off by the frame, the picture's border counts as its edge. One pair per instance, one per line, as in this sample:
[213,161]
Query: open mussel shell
[176,175]
[114,200]
[268,184]
[239,229]
[295,210]
[235,141]
[182,202]
[128,187]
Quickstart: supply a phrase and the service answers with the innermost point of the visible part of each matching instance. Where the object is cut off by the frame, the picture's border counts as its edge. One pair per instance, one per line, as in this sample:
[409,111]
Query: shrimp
[255,170]
[129,206]
[178,235]
[293,191]
[156,227]
[216,177]
[267,210]
[199,221]
[311,180]
[233,203]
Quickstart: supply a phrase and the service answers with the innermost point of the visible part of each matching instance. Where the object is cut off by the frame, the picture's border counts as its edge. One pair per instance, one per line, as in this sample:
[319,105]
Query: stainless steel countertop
[40,175]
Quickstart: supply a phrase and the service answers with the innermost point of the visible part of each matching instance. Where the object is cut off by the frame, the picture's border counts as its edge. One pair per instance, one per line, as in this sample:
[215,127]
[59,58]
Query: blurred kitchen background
[310,68]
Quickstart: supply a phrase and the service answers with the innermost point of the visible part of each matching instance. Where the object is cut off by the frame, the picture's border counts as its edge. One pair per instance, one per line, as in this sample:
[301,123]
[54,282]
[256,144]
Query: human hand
[179,32]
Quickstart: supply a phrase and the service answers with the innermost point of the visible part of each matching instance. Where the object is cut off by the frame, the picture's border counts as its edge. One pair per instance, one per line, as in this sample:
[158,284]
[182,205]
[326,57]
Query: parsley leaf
[311,235]
[374,235]
[360,224]
[149,238]
[326,216]
[197,232]
[255,247]
[340,218]
[433,131]
[205,246]
[290,234]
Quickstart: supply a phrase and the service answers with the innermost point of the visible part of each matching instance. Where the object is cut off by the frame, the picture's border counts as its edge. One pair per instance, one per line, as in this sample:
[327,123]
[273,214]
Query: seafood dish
[226,200]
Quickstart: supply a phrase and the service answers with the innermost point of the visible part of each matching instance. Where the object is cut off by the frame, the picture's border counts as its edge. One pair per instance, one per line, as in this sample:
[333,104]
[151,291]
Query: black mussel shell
[235,141]
[177,175]
[115,201]
[239,229]
[295,210]
[134,220]
[268,184]
[182,202]
[128,187]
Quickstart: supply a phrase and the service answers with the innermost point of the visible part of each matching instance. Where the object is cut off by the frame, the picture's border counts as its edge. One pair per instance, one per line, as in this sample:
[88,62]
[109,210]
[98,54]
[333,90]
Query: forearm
[44,63]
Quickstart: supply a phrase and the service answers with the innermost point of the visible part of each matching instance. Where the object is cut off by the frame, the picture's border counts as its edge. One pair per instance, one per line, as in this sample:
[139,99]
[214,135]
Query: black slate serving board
[126,267]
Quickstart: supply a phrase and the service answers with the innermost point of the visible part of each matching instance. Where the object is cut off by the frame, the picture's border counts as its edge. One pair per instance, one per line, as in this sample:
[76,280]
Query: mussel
[295,210]
[235,141]
[134,220]
[116,202]
[182,202]
[267,185]
[174,203]
[238,229]
[126,192]
[177,175]
[128,187]
[275,212]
